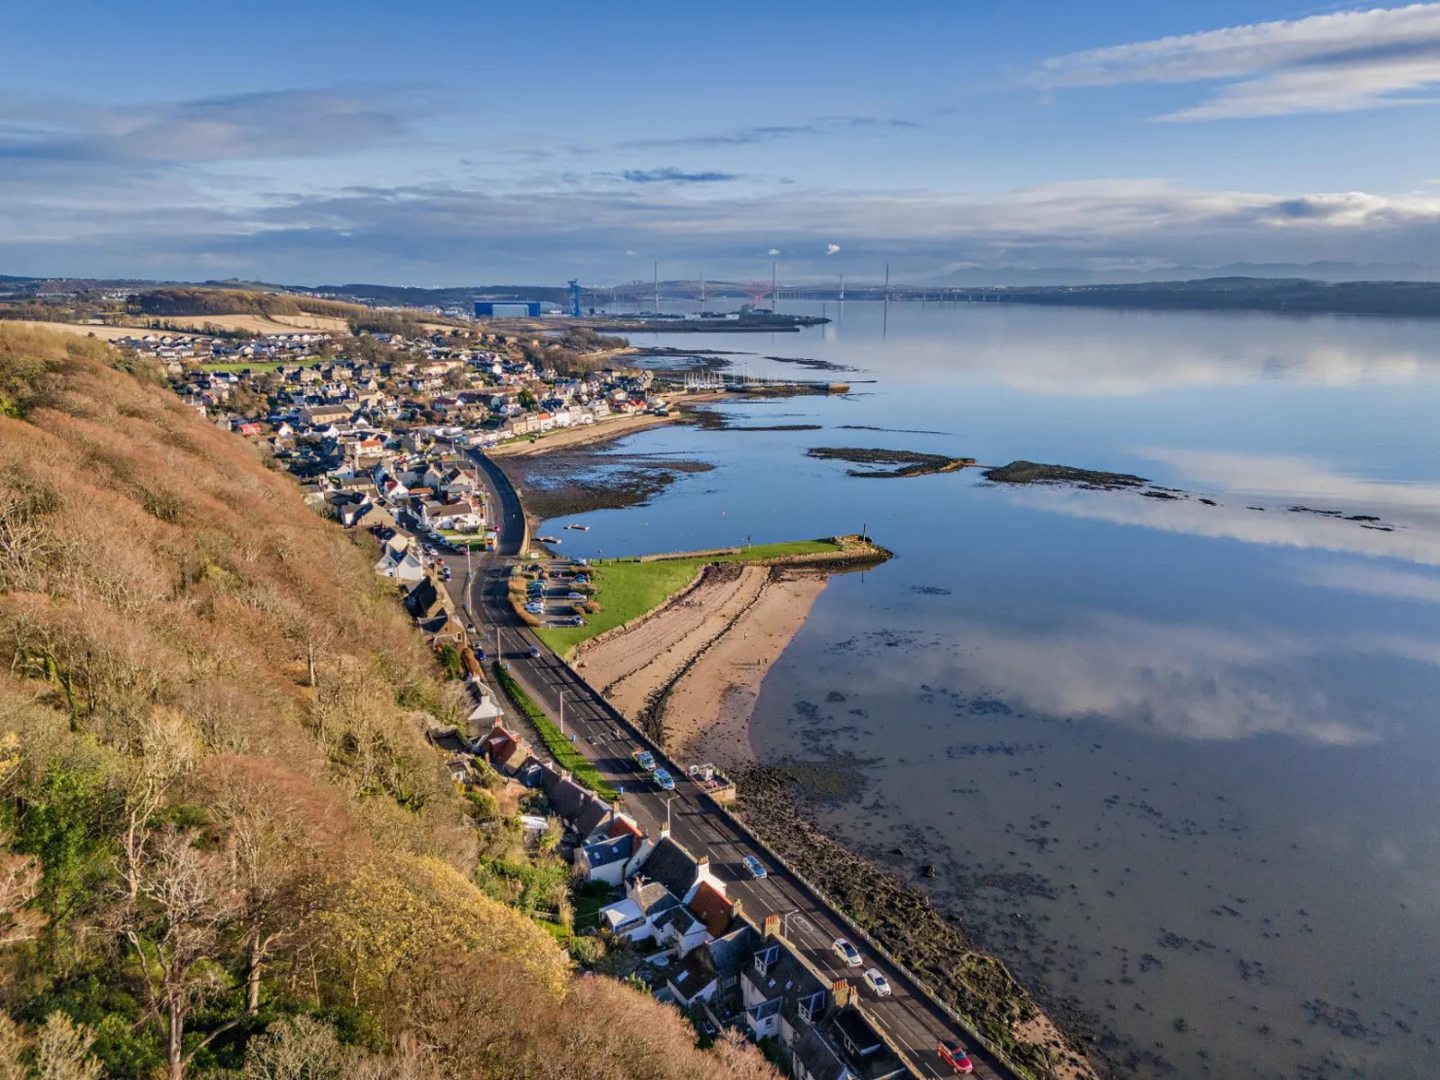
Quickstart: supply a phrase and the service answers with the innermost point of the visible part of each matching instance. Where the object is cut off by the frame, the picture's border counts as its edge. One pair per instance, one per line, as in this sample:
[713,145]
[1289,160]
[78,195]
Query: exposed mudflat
[575,481]
[906,462]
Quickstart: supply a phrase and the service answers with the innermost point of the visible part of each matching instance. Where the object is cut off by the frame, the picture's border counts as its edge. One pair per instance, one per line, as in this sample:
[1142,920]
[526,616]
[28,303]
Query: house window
[765,957]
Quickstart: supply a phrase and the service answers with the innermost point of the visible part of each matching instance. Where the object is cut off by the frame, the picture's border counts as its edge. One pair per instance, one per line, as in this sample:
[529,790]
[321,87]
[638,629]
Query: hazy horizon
[298,146]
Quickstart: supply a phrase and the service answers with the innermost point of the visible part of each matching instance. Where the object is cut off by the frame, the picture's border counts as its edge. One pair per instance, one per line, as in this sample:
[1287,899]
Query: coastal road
[910,1019]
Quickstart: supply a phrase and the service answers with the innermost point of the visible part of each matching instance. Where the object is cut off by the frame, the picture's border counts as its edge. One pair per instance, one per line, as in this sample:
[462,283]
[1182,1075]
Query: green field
[627,590]
[257,366]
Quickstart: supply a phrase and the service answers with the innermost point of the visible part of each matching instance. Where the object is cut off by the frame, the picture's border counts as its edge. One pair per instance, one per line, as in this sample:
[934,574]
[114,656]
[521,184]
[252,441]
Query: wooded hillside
[225,846]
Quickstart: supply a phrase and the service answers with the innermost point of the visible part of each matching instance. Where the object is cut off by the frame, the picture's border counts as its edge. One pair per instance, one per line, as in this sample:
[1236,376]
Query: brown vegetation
[225,845]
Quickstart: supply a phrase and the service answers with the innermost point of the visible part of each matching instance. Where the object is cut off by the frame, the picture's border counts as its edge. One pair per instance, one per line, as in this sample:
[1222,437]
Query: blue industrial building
[507,309]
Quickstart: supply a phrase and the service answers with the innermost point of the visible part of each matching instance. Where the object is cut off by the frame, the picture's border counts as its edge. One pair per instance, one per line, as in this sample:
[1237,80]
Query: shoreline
[690,672]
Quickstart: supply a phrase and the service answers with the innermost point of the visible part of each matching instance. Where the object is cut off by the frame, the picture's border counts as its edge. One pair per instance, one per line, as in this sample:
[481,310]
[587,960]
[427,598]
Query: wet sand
[692,670]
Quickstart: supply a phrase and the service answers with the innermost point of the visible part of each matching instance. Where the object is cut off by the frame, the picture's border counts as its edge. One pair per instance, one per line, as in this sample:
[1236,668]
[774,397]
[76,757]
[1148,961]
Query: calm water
[1176,761]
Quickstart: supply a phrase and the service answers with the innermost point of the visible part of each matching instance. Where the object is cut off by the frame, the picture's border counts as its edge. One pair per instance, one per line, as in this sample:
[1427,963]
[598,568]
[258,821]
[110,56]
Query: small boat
[548,539]
[579,528]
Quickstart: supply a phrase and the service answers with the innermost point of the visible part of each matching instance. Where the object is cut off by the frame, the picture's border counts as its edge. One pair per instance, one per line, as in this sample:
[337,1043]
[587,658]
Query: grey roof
[694,973]
[821,1059]
[672,866]
[678,917]
[591,815]
[729,953]
[609,851]
[787,977]
[654,899]
[567,798]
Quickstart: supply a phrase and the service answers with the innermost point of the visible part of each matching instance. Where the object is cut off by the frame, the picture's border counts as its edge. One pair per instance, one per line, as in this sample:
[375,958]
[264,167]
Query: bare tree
[12,1045]
[181,904]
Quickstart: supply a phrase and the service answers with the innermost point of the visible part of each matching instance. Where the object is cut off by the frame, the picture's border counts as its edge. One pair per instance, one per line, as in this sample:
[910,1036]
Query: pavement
[911,1020]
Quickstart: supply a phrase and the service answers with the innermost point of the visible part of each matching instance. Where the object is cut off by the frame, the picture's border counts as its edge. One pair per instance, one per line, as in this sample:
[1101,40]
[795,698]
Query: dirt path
[693,669]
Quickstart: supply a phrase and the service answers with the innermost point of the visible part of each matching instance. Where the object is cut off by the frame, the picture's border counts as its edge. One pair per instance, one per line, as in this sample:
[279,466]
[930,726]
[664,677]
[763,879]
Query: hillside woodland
[226,848]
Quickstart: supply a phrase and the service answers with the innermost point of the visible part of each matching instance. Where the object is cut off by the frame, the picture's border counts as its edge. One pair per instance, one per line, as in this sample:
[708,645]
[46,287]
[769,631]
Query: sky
[440,143]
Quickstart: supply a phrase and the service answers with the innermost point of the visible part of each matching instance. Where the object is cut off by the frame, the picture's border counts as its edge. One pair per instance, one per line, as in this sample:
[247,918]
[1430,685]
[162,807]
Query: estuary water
[1176,760]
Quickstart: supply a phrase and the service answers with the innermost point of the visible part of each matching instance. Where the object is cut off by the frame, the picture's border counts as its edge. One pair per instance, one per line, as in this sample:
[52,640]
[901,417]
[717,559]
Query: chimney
[771,926]
[703,862]
[738,908]
[842,992]
[665,831]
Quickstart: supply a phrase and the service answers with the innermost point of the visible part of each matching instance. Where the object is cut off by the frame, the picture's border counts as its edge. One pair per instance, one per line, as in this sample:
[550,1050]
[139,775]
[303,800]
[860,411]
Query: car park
[847,952]
[955,1055]
[755,867]
[875,979]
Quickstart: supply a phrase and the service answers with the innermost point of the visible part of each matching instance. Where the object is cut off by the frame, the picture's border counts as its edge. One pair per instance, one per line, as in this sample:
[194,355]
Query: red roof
[500,745]
[711,908]
[620,826]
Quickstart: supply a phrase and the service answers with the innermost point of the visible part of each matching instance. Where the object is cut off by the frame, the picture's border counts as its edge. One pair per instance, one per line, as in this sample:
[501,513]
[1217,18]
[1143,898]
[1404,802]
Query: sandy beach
[693,668]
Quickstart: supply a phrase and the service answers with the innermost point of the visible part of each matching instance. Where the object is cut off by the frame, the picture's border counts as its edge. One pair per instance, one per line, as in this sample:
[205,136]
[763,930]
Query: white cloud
[1375,581]
[1324,63]
[832,249]
[1237,481]
[1171,679]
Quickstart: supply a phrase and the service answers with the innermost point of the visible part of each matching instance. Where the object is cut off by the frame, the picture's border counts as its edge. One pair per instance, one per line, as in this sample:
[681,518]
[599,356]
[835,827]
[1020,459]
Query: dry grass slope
[223,838]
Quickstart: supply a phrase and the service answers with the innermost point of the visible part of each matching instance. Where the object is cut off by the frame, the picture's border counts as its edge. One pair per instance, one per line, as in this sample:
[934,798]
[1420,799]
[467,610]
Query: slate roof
[608,852]
[679,917]
[672,866]
[694,974]
[567,798]
[591,815]
[654,899]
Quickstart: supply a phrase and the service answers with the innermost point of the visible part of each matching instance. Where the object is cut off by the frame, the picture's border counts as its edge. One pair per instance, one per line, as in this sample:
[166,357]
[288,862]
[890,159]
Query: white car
[847,952]
[877,982]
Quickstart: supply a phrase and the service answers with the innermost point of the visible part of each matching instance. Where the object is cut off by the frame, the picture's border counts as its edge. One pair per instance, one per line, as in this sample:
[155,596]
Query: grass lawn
[627,590]
[562,749]
[257,366]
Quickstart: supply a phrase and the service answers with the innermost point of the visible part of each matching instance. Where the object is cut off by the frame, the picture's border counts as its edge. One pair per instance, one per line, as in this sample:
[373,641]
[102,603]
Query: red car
[954,1055]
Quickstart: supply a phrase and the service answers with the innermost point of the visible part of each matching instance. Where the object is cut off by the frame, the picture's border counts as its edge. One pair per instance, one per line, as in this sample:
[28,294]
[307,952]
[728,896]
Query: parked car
[480,655]
[575,596]
[665,780]
[755,866]
[877,982]
[534,652]
[955,1055]
[847,952]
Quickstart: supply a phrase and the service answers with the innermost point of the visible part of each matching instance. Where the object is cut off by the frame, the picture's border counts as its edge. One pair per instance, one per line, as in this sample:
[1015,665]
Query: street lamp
[562,710]
[668,801]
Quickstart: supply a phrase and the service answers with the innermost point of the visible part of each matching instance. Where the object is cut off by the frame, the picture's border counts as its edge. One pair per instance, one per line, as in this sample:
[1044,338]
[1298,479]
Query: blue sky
[448,143]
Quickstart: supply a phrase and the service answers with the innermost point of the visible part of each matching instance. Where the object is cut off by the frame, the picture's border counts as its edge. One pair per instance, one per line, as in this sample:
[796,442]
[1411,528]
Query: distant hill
[1242,294]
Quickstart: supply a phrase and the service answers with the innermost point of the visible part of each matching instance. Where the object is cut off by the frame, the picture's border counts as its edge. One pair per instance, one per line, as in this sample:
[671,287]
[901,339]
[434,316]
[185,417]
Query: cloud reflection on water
[1176,679]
